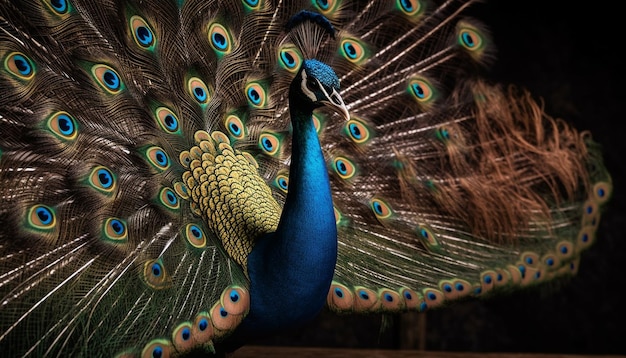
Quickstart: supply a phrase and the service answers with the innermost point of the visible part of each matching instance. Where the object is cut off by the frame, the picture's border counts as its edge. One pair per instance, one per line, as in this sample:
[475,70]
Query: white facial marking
[307,91]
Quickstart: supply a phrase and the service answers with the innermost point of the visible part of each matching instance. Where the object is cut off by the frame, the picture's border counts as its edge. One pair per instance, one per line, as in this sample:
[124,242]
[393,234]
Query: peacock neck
[291,269]
[308,218]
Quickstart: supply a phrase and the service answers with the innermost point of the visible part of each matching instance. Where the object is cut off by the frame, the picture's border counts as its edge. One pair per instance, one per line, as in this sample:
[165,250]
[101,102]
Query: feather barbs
[309,30]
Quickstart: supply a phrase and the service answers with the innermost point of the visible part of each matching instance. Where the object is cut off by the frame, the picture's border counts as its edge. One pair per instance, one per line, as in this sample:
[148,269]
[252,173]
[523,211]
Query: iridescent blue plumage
[291,269]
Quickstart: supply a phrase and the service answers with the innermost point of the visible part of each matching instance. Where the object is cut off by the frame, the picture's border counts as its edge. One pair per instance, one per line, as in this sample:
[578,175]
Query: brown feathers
[511,167]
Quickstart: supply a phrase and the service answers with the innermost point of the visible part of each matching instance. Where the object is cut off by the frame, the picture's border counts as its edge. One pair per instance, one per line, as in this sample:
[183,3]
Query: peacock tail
[146,151]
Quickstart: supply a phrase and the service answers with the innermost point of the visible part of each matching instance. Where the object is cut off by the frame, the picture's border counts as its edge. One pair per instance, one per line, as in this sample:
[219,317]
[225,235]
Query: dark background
[569,54]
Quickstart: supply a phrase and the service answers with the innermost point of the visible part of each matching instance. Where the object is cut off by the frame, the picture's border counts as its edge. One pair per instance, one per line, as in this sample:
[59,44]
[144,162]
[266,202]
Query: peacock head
[317,85]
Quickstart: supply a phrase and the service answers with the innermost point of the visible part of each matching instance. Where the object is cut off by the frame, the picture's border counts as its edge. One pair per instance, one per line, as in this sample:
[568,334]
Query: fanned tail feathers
[444,185]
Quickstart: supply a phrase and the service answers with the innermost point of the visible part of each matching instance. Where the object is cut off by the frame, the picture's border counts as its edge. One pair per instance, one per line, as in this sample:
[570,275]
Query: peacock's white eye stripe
[305,88]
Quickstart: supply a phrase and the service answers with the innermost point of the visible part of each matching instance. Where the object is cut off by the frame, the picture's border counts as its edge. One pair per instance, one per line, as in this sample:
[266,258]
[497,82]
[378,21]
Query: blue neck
[291,269]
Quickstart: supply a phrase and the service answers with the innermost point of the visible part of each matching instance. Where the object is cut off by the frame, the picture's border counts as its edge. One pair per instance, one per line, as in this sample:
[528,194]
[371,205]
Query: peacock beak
[335,102]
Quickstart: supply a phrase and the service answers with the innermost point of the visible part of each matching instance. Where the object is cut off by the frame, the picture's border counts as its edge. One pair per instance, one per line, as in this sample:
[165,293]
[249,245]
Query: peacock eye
[311,84]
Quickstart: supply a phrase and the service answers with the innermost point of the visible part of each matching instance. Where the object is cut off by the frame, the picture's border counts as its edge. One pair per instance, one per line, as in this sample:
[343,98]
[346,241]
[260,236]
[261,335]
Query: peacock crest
[189,174]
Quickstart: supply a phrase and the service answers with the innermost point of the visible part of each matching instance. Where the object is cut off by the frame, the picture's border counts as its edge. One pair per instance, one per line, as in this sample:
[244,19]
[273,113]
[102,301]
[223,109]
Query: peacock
[187,176]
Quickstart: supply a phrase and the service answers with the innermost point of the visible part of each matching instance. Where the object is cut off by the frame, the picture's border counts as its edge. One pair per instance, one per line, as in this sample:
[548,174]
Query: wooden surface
[304,352]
